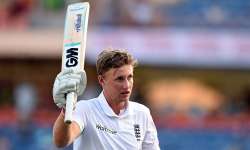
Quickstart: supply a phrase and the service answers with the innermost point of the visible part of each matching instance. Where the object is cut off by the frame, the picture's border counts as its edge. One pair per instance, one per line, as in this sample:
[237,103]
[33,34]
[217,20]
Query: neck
[116,106]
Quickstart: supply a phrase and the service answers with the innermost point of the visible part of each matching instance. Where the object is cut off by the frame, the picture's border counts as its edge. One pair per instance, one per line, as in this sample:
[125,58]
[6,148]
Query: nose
[126,84]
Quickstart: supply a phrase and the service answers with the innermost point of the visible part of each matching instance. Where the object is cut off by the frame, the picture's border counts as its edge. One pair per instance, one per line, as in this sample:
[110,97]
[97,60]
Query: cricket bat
[74,45]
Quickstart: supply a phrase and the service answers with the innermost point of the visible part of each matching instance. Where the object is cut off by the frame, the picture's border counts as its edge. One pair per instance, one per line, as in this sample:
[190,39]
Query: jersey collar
[108,110]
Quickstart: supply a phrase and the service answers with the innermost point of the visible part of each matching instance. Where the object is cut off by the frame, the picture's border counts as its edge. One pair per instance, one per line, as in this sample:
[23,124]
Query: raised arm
[64,134]
[65,82]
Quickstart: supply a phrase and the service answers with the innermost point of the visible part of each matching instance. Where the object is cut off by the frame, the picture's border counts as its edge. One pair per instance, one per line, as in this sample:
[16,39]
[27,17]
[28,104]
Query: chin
[125,99]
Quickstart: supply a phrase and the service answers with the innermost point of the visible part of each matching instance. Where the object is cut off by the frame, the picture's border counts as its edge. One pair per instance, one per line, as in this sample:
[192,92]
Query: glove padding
[66,82]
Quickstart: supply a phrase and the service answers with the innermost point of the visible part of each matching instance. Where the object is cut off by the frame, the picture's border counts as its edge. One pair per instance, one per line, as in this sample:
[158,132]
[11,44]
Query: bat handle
[70,100]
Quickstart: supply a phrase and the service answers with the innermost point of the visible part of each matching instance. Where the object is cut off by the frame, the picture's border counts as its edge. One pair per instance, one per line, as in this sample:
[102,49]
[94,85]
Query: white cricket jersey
[102,129]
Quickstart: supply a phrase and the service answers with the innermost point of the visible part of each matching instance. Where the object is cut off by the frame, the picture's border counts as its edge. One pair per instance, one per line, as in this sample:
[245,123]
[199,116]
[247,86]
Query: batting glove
[66,82]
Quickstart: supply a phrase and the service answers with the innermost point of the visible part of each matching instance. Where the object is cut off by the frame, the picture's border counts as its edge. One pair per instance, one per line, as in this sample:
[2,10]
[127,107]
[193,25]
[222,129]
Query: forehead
[121,71]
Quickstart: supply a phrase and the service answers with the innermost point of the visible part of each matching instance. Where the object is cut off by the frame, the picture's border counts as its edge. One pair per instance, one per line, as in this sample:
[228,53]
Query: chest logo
[105,129]
[137,132]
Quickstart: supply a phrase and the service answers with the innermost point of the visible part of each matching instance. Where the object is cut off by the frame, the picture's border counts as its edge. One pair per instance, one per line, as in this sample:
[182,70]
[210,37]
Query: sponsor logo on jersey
[105,129]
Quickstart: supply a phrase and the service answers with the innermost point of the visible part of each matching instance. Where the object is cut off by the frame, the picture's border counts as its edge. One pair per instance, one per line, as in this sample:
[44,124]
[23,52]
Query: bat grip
[70,100]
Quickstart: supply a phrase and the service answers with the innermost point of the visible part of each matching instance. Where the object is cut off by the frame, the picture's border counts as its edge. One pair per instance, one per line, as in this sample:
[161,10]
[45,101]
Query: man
[110,121]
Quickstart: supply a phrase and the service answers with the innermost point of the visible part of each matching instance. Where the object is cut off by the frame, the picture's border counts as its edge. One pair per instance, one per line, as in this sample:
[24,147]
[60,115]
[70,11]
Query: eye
[120,78]
[130,77]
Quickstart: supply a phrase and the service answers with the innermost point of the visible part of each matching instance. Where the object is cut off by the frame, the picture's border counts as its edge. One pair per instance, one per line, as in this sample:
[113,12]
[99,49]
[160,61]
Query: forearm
[65,82]
[62,132]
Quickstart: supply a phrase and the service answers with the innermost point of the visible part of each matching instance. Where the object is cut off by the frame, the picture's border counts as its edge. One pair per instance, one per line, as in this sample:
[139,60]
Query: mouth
[125,93]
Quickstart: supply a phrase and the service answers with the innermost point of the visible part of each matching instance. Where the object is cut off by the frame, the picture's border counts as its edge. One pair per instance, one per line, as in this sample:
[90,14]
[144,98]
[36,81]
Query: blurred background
[193,73]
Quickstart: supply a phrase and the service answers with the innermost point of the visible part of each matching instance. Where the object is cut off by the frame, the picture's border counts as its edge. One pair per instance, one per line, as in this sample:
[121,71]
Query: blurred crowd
[156,13]
[176,103]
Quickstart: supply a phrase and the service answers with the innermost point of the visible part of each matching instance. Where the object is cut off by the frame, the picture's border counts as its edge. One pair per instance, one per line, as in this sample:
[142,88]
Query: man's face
[117,83]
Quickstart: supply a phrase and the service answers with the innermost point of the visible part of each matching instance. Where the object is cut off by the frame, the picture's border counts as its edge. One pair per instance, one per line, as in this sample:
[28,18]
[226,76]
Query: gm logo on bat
[72,57]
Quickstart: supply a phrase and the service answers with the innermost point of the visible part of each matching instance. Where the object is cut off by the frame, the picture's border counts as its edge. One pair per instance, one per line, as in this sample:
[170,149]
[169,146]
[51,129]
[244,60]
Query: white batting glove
[66,82]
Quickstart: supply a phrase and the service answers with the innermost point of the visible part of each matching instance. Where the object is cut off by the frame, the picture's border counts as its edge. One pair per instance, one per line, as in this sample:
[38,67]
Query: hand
[68,81]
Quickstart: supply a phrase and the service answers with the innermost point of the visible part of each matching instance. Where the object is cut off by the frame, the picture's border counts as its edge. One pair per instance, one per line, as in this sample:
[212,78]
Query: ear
[101,80]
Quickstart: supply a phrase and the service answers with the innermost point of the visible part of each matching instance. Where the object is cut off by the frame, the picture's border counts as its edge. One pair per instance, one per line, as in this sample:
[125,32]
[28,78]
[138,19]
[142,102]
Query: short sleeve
[79,115]
[150,141]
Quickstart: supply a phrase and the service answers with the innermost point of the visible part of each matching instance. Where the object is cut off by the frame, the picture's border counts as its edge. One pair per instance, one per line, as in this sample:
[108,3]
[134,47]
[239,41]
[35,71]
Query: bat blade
[74,45]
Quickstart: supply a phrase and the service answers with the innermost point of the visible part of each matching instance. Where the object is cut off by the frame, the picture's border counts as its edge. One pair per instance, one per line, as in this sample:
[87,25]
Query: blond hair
[113,58]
